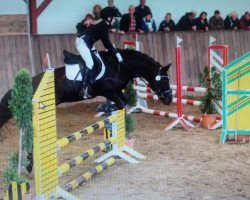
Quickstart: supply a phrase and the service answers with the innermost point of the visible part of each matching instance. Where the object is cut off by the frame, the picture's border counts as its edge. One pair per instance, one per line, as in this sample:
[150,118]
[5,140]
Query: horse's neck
[147,72]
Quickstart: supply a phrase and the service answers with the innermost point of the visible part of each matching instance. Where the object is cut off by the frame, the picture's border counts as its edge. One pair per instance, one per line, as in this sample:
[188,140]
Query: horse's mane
[143,56]
[135,54]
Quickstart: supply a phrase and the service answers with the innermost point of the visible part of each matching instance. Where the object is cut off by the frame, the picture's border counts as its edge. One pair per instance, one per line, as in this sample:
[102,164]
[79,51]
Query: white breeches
[84,52]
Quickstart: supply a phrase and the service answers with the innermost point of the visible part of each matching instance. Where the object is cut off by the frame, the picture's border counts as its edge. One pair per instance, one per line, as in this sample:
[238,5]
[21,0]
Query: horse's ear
[166,68]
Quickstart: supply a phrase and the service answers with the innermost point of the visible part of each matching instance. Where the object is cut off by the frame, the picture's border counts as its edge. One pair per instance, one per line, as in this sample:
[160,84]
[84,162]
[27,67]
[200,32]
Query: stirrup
[85,94]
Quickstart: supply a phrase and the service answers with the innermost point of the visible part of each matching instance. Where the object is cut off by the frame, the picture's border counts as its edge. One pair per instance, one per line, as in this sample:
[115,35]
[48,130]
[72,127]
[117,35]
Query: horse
[110,85]
[106,81]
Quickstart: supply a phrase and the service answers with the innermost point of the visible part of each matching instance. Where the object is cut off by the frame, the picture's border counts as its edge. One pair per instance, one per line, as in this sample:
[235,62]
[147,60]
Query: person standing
[245,21]
[97,12]
[87,22]
[148,23]
[187,22]
[232,21]
[140,13]
[167,24]
[216,22]
[128,21]
[201,22]
[111,4]
[116,25]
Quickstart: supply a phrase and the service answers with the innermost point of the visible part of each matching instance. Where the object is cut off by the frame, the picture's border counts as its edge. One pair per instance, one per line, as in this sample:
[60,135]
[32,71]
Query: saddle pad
[73,72]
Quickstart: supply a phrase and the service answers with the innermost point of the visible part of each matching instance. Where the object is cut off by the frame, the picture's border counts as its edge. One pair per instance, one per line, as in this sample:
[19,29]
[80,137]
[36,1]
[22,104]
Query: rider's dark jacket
[97,32]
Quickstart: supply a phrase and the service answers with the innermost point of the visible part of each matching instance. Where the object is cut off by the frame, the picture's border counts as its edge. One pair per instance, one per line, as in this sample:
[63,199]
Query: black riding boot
[85,82]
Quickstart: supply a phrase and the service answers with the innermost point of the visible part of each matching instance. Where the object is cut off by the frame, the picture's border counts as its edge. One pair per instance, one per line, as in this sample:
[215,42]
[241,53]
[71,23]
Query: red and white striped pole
[180,120]
[215,60]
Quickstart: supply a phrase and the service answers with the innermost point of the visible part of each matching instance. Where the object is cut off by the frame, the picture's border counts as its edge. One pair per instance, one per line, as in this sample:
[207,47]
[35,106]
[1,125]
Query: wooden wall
[14,52]
[13,24]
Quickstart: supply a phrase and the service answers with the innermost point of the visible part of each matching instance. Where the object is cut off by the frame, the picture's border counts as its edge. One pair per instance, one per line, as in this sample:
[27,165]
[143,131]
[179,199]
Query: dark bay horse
[114,80]
[110,85]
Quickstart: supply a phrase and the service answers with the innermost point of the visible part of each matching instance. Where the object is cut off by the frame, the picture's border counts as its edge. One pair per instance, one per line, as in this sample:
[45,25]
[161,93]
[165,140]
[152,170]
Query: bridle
[158,78]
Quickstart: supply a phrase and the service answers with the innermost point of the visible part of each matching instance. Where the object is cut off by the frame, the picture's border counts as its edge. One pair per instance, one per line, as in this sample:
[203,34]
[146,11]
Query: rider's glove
[119,57]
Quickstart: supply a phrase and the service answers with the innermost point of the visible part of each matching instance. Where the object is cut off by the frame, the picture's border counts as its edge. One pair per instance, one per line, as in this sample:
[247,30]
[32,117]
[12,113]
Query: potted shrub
[20,105]
[209,113]
[130,127]
[131,95]
[213,95]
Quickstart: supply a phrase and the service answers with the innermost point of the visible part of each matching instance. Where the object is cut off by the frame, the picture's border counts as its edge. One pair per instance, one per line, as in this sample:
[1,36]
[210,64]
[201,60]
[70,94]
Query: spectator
[187,22]
[97,12]
[148,23]
[167,24]
[128,21]
[111,4]
[216,22]
[85,23]
[116,25]
[232,21]
[140,13]
[245,21]
[201,22]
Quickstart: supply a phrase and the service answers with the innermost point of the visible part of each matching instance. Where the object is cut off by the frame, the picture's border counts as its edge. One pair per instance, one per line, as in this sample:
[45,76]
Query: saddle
[74,66]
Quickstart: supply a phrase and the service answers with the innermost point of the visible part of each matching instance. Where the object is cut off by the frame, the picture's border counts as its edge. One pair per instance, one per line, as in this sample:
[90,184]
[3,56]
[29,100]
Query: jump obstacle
[236,98]
[215,60]
[46,144]
[144,92]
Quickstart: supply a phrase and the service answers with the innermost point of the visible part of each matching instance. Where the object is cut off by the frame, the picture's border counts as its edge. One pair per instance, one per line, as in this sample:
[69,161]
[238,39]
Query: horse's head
[161,86]
[142,65]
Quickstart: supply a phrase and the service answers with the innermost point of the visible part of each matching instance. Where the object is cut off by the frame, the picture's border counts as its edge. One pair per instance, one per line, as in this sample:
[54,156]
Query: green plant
[130,93]
[10,172]
[214,92]
[207,106]
[131,48]
[130,125]
[20,105]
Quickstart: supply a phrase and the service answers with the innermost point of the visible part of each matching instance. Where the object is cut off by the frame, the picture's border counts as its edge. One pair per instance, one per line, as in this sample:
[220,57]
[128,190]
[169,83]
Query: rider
[86,39]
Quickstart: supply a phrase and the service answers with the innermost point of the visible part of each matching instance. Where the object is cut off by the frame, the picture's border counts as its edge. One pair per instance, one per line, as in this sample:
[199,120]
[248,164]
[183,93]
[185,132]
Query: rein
[157,78]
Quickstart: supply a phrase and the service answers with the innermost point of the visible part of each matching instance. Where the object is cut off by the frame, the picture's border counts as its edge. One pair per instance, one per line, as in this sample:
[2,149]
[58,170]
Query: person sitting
[87,22]
[128,22]
[167,24]
[86,39]
[148,23]
[216,22]
[97,12]
[187,22]
[232,21]
[140,13]
[245,21]
[201,22]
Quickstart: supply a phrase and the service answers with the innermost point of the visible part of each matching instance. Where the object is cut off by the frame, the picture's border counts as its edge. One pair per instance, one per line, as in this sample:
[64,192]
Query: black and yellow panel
[16,191]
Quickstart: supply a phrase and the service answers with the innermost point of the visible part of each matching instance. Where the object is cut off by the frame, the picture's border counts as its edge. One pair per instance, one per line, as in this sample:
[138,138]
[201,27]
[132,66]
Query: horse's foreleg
[119,99]
[122,99]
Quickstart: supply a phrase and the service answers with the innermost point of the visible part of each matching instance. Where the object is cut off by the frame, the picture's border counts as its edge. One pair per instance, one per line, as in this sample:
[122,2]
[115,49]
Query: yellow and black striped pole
[88,175]
[89,153]
[86,131]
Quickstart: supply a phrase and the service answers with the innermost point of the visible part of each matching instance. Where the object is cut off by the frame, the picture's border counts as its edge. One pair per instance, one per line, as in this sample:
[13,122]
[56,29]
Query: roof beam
[36,12]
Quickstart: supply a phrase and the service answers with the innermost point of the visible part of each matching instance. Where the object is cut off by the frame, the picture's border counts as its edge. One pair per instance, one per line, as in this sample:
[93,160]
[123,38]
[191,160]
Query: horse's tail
[5,113]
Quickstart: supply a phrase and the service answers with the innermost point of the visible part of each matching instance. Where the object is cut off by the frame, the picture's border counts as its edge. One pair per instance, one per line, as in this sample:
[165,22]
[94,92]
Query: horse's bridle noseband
[158,78]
